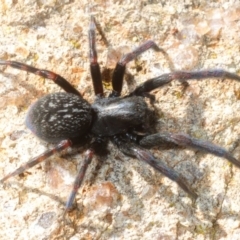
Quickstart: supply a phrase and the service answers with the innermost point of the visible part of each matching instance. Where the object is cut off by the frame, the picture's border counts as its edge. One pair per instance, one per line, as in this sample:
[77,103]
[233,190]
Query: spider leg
[79,178]
[94,66]
[96,147]
[59,80]
[182,76]
[118,74]
[42,157]
[146,156]
[187,141]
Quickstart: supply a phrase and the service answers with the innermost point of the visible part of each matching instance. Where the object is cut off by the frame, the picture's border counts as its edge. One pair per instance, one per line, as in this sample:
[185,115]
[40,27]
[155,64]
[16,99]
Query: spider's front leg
[144,155]
[182,76]
[185,140]
[118,74]
[94,65]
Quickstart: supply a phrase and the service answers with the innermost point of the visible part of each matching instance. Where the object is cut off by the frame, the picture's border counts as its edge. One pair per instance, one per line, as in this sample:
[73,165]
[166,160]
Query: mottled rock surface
[122,198]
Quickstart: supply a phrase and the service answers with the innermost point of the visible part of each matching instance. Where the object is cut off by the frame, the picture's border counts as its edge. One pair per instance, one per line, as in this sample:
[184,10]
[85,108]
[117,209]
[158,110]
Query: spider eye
[59,116]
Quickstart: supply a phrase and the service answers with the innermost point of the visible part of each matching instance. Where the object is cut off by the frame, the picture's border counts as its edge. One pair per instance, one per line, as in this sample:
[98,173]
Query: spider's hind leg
[40,158]
[59,80]
[96,147]
[144,155]
[186,141]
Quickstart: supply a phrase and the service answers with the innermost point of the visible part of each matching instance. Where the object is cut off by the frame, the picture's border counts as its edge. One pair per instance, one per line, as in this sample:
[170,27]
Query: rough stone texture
[121,197]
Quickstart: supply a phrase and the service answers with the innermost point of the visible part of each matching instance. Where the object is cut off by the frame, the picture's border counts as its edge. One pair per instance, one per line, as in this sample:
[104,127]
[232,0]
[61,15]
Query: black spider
[67,119]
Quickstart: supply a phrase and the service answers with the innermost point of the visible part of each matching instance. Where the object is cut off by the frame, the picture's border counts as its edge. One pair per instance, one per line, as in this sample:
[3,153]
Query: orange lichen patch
[55,178]
[24,52]
[58,175]
[114,55]
[237,93]
[78,70]
[109,218]
[101,196]
[76,74]
[77,29]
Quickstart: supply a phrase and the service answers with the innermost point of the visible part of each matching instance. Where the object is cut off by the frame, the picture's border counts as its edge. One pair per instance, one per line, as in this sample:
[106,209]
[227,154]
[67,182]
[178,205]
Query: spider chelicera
[66,119]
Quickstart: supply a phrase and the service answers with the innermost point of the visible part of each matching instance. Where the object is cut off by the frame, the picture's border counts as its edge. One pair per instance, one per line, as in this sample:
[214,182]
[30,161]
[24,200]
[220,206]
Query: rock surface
[122,198]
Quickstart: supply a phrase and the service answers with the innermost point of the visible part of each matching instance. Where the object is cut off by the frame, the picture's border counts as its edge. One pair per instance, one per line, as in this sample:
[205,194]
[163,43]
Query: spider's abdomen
[118,115]
[59,116]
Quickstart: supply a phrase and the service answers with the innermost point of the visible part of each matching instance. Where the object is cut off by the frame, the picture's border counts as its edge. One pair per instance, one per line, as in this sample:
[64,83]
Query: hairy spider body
[66,118]
[59,116]
[118,115]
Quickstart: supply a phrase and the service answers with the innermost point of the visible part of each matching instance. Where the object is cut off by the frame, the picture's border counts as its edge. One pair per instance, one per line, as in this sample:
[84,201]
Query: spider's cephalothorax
[118,115]
[66,118]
